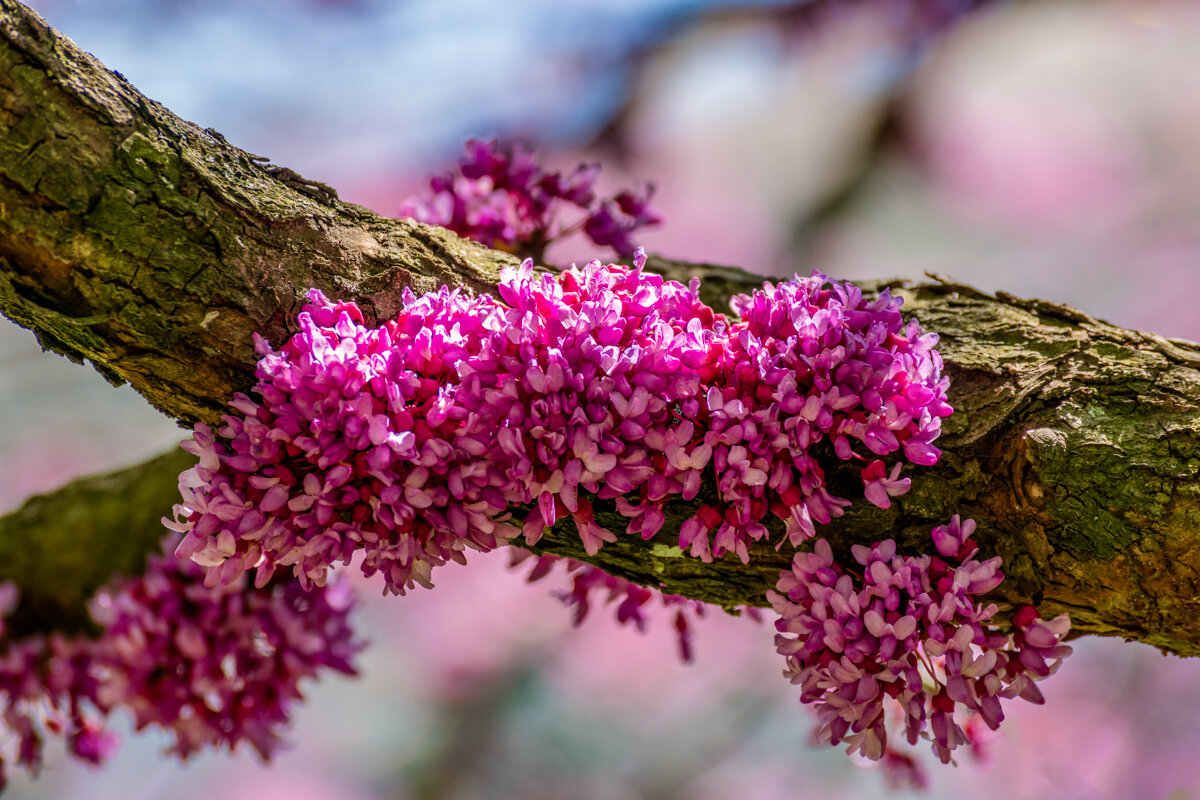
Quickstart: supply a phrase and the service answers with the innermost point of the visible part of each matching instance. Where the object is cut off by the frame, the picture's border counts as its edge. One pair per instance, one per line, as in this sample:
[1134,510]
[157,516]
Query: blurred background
[1047,149]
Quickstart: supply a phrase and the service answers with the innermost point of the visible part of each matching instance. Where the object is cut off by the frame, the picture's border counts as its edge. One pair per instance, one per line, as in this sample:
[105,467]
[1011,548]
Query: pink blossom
[505,199]
[907,628]
[416,441]
[211,666]
[880,486]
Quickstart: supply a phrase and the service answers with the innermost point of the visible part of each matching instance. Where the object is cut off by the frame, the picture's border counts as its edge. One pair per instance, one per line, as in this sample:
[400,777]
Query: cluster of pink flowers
[589,584]
[505,199]
[216,665]
[811,361]
[43,691]
[467,421]
[414,441]
[908,628]
[212,666]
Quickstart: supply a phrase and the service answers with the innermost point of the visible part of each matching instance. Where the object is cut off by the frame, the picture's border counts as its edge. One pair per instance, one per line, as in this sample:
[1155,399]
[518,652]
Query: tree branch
[60,547]
[154,249]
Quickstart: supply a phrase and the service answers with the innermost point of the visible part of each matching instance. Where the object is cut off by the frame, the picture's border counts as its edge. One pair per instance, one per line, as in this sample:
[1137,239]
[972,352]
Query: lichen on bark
[153,248]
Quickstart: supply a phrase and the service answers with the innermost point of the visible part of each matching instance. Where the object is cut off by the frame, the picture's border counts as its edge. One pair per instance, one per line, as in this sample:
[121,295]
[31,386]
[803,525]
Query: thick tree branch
[153,248]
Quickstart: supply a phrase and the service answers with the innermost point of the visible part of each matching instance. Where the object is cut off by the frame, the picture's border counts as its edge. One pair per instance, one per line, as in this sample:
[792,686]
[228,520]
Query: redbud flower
[907,631]
[505,199]
[418,440]
[211,666]
[465,422]
[880,486]
[215,665]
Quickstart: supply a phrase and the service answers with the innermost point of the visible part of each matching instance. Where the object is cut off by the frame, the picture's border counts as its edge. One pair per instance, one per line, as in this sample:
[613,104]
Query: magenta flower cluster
[220,665]
[505,199]
[468,421]
[44,692]
[413,441]
[909,630]
[811,361]
[212,666]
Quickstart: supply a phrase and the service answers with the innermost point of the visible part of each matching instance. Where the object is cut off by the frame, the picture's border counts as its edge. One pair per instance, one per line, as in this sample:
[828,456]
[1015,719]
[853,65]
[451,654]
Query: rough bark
[153,249]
